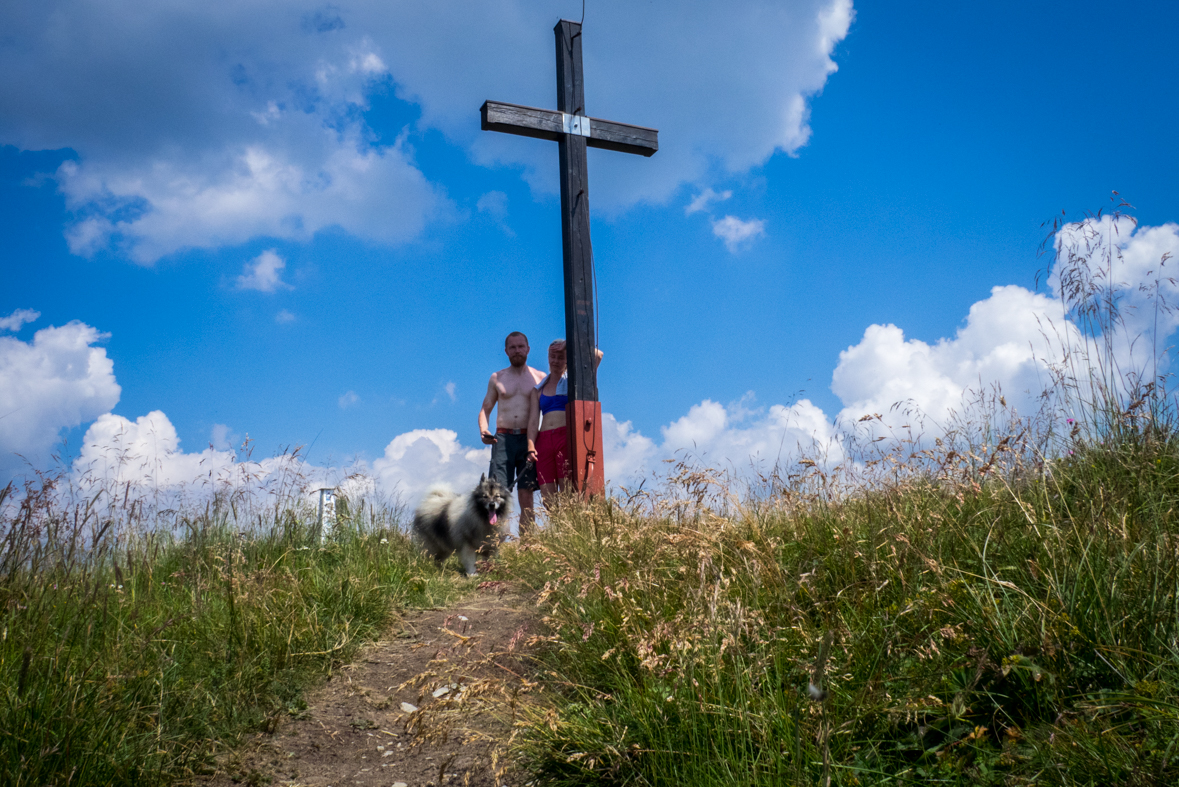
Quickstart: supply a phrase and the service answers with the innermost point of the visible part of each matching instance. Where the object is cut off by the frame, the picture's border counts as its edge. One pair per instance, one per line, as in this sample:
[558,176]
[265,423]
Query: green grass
[1002,630]
[1009,621]
[135,660]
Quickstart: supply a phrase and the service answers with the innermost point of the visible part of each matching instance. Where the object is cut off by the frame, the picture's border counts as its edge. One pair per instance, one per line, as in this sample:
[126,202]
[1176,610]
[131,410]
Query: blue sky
[148,168]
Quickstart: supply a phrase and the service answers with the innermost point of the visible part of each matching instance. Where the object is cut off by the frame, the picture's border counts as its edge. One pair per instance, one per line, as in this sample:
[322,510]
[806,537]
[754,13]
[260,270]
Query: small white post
[327,514]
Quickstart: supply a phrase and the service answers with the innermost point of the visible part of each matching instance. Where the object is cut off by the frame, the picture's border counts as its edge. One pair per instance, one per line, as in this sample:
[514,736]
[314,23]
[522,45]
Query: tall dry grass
[1013,633]
[996,605]
[137,642]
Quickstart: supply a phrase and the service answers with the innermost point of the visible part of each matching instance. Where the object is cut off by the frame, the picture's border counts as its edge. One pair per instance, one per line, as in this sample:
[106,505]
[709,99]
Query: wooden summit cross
[570,127]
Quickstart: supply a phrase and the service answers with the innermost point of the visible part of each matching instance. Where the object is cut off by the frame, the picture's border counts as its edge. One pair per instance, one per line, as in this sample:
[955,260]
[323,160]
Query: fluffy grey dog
[446,521]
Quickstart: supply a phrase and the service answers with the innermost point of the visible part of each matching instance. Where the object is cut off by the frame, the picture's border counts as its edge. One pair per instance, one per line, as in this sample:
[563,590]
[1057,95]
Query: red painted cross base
[584,421]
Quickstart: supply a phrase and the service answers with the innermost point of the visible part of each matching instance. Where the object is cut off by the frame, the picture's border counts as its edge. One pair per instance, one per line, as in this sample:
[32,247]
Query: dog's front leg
[467,555]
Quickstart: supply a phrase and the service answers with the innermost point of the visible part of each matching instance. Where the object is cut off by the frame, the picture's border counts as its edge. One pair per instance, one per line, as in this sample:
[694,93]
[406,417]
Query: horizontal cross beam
[547,124]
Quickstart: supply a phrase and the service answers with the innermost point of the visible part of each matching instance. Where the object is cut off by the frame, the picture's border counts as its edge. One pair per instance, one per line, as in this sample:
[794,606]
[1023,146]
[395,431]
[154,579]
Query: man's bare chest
[513,387]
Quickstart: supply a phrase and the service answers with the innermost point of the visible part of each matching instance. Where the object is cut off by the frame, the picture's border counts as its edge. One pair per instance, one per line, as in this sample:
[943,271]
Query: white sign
[576,124]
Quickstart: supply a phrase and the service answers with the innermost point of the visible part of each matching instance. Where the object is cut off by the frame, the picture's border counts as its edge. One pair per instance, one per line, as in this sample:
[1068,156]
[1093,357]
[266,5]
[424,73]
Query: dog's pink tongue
[493,517]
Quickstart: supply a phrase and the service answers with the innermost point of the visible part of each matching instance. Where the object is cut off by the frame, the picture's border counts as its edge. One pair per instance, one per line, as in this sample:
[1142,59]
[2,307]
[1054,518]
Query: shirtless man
[511,390]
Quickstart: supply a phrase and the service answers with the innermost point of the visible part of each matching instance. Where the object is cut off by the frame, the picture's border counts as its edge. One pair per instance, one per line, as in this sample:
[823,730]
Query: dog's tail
[436,499]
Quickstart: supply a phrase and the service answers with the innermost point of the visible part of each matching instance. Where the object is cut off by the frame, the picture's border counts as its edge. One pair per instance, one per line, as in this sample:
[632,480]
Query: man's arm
[485,412]
[597,358]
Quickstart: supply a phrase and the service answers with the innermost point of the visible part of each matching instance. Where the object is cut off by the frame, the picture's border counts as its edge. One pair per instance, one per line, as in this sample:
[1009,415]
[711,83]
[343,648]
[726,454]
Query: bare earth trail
[433,703]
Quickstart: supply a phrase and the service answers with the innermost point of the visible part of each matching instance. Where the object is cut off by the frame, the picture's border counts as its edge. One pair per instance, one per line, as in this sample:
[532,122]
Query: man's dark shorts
[509,462]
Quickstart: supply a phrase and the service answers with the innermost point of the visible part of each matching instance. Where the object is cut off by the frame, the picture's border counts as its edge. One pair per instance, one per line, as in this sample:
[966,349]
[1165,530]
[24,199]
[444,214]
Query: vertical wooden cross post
[573,131]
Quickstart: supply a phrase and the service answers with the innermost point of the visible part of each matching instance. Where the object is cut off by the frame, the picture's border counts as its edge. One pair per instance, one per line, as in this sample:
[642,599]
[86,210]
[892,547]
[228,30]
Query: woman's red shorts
[551,462]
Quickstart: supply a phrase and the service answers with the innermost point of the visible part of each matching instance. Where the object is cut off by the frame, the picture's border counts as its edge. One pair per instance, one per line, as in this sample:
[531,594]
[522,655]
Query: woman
[548,446]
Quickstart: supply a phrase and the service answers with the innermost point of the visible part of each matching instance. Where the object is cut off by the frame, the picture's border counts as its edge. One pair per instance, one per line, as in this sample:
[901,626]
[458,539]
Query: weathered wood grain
[547,124]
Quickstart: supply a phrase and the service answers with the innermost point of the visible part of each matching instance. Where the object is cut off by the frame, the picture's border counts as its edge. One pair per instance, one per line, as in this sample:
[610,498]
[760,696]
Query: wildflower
[1068,420]
[384,541]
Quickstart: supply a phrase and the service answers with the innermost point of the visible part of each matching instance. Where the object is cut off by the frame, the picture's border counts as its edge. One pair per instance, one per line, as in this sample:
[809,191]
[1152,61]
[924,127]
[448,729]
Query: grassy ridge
[133,663]
[983,628]
[1018,631]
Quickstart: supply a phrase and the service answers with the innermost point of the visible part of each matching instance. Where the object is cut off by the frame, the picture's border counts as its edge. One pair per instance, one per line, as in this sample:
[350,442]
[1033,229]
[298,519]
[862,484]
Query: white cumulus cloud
[1132,268]
[348,399]
[1008,338]
[146,452]
[744,437]
[14,321]
[143,459]
[629,454]
[264,273]
[205,124]
[737,233]
[1016,338]
[741,437]
[725,84]
[58,380]
[247,191]
[416,460]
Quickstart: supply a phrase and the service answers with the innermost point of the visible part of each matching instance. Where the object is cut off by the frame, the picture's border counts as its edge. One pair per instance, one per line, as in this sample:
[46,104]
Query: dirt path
[432,705]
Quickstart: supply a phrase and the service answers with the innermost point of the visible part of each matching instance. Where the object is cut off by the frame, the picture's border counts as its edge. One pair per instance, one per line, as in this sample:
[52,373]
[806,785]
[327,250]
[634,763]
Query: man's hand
[531,452]
[488,438]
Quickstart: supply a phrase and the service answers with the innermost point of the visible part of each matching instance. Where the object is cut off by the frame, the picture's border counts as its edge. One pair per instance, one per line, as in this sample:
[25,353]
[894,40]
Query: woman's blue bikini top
[550,404]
